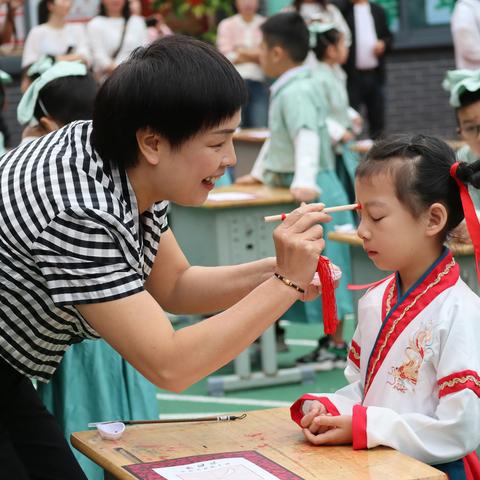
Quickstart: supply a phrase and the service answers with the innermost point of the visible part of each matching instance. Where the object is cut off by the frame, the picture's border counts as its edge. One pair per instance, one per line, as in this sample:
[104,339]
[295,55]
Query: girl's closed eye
[218,145]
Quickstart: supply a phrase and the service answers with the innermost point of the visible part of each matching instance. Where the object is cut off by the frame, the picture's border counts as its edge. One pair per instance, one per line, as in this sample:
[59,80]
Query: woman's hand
[299,242]
[336,430]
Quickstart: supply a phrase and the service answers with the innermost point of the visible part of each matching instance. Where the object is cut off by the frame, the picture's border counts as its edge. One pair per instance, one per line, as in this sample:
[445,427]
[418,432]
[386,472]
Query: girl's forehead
[375,189]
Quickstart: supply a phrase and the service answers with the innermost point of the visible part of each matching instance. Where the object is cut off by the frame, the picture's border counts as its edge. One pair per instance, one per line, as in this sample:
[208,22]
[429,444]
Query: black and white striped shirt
[70,233]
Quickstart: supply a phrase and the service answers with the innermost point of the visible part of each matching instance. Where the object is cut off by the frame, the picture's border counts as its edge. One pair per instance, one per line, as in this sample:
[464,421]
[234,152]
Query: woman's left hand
[339,433]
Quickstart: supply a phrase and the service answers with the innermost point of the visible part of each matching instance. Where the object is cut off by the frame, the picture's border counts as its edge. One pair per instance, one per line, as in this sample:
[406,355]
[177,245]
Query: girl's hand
[316,408]
[338,430]
[299,242]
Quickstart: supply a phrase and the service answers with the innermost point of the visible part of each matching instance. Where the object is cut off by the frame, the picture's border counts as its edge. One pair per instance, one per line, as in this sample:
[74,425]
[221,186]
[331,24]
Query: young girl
[343,122]
[414,363]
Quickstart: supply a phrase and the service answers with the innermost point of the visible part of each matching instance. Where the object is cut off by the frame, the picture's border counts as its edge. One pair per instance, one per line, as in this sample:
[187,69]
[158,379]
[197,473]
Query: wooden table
[247,143]
[269,432]
[231,232]
[364,271]
[363,146]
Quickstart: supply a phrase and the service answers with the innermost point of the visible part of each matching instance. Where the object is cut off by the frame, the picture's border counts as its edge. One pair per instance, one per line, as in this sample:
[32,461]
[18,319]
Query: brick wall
[416,101]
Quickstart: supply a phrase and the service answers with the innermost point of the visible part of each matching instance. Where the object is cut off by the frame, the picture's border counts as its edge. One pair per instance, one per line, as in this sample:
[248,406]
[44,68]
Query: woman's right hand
[299,243]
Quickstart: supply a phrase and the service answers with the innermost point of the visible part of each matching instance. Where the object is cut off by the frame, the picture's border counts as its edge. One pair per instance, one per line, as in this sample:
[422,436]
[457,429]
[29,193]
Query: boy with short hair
[464,88]
[299,155]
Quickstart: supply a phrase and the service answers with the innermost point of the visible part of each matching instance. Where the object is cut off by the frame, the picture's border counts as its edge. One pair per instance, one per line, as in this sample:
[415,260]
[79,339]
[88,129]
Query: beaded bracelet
[288,282]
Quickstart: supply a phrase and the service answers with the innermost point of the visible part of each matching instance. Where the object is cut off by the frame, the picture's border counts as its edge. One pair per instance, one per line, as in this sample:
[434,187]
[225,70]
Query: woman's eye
[219,145]
[377,219]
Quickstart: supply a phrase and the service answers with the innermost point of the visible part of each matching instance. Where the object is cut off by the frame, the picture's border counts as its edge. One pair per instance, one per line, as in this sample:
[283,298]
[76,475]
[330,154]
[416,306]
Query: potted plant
[193,17]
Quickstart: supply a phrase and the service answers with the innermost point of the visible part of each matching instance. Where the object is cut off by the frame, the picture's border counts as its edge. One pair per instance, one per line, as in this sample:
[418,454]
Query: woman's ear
[48,124]
[437,217]
[151,145]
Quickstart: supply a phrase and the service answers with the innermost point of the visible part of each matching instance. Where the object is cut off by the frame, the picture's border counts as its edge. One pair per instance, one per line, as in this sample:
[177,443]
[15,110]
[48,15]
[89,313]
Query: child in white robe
[414,362]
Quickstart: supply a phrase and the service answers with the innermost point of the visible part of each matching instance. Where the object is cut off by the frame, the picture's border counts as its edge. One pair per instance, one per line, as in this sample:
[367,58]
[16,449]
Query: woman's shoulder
[98,21]
[137,20]
[39,30]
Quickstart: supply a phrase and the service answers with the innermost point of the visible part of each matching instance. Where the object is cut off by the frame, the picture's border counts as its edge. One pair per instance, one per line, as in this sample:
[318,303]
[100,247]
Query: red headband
[473,226]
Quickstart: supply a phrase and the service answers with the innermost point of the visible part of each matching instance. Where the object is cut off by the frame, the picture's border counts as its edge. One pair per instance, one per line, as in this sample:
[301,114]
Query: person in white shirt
[113,35]
[325,12]
[54,37]
[466,34]
[239,38]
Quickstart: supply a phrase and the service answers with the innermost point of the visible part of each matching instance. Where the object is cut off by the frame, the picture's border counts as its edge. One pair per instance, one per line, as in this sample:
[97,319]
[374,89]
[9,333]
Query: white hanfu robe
[414,369]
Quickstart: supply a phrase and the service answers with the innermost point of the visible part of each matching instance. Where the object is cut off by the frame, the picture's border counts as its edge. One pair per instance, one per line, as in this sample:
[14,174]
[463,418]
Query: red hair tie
[473,226]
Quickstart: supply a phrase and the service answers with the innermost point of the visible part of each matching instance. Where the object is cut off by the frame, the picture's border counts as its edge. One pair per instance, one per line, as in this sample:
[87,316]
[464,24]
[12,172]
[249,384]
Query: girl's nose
[362,231]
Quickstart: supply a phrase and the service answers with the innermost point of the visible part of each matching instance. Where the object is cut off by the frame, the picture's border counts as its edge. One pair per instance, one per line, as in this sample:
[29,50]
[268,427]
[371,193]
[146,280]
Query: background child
[464,88]
[414,364]
[343,122]
[93,382]
[299,155]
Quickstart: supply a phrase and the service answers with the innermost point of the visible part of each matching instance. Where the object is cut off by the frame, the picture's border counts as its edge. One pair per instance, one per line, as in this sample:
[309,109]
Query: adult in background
[365,66]
[322,11]
[54,37]
[86,250]
[466,34]
[113,35]
[239,38]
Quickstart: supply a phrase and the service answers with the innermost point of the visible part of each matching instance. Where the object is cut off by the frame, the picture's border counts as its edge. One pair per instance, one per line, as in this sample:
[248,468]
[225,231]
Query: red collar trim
[442,276]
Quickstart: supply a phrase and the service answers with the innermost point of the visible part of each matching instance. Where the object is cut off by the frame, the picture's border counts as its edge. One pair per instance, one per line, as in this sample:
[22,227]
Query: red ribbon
[473,226]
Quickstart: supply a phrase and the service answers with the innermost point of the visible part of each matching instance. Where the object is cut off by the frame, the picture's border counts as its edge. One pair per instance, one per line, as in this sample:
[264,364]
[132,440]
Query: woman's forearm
[219,339]
[211,289]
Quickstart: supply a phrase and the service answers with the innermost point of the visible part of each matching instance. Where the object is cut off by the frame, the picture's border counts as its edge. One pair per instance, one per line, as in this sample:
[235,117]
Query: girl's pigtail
[469,173]
[465,174]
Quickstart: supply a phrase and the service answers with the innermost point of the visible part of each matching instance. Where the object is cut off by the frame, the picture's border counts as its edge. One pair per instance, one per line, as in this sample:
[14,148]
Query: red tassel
[329,306]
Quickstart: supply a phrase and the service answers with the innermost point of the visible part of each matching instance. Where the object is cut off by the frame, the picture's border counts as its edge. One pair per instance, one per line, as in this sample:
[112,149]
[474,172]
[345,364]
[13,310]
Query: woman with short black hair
[86,250]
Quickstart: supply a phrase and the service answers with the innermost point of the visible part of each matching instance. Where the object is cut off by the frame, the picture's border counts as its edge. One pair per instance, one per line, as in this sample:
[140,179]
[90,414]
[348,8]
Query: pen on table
[213,418]
[338,208]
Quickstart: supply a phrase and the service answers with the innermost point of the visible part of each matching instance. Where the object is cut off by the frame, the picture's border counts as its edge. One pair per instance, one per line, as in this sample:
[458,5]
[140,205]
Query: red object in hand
[329,306]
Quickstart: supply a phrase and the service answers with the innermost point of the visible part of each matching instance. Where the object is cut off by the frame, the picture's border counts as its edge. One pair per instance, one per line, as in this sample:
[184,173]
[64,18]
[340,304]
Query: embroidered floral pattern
[405,376]
[372,367]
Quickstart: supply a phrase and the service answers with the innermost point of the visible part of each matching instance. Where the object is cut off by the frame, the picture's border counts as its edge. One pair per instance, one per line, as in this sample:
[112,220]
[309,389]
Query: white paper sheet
[235,468]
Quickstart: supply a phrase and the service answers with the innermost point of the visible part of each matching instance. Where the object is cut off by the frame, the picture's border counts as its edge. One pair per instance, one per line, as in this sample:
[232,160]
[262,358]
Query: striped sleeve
[88,256]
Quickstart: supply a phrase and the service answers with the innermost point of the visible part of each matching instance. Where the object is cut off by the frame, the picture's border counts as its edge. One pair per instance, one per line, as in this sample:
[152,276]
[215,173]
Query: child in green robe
[343,122]
[464,88]
[299,155]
